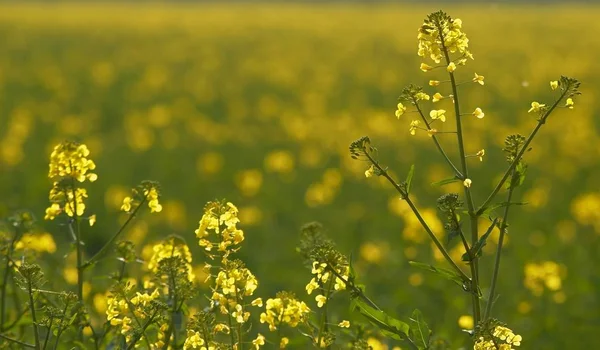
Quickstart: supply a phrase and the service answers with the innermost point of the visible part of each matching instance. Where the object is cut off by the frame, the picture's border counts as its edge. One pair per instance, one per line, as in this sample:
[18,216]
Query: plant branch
[17,341]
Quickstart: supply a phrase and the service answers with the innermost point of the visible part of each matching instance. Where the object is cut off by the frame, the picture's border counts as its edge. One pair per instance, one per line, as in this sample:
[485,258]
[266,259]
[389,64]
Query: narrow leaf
[445,181]
[388,325]
[409,178]
[419,330]
[495,206]
[476,248]
[445,273]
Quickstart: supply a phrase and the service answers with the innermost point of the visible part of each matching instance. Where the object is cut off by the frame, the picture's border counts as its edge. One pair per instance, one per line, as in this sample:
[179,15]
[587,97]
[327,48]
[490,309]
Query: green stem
[47,337]
[7,271]
[457,173]
[354,288]
[465,170]
[33,316]
[323,323]
[108,244]
[60,324]
[144,327]
[17,341]
[414,209]
[488,307]
[231,335]
[512,166]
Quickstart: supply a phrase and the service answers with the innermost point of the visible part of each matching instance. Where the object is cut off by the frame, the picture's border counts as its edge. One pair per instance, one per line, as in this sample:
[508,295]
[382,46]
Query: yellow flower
[536,107]
[401,109]
[344,324]
[193,341]
[126,207]
[284,342]
[368,173]
[257,302]
[92,220]
[431,132]
[430,42]
[480,154]
[554,85]
[52,211]
[321,300]
[259,341]
[421,96]
[465,322]
[437,96]
[569,103]
[467,183]
[479,79]
[434,82]
[70,159]
[425,67]
[438,114]
[478,113]
[414,126]
[451,67]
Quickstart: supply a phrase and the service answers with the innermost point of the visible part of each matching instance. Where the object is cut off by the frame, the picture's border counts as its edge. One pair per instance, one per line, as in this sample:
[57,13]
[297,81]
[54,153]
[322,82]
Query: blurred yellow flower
[451,67]
[478,113]
[536,107]
[438,114]
[554,85]
[467,183]
[436,97]
[414,125]
[344,324]
[425,67]
[400,111]
[434,82]
[479,79]
[569,103]
[465,322]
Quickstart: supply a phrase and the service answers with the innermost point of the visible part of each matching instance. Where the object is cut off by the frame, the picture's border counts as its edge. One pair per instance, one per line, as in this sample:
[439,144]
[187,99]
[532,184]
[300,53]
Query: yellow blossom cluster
[544,275]
[147,191]
[322,275]
[232,284]
[121,312]
[195,341]
[41,243]
[284,309]
[70,159]
[67,199]
[441,33]
[220,220]
[503,339]
[168,249]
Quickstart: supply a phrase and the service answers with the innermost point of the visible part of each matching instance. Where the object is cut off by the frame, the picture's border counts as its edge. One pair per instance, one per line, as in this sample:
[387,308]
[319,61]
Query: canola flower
[284,309]
[148,192]
[501,338]
[440,32]
[217,230]
[168,249]
[70,159]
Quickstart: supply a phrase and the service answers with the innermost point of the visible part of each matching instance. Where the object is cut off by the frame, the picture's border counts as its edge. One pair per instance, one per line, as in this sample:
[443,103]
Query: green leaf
[419,330]
[493,207]
[476,248]
[409,178]
[445,181]
[519,176]
[388,325]
[445,273]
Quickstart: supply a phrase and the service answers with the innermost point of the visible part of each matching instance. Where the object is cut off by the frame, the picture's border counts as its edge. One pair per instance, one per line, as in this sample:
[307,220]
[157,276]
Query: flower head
[480,154]
[434,82]
[569,103]
[478,113]
[70,159]
[284,309]
[440,32]
[536,107]
[425,67]
[414,125]
[451,67]
[436,97]
[467,183]
[369,172]
[400,111]
[438,114]
[479,79]
[554,84]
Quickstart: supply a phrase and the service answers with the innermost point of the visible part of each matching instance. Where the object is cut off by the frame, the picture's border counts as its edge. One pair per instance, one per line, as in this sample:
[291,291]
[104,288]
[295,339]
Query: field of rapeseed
[258,104]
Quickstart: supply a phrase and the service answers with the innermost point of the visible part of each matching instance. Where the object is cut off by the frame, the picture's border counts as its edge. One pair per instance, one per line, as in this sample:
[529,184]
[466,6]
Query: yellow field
[258,104]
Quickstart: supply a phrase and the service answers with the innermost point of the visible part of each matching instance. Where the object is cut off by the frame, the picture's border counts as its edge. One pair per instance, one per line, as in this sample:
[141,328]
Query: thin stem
[465,170]
[17,341]
[47,337]
[33,316]
[354,288]
[7,271]
[148,322]
[512,166]
[105,247]
[488,307]
[231,335]
[60,324]
[323,323]
[414,209]
[437,143]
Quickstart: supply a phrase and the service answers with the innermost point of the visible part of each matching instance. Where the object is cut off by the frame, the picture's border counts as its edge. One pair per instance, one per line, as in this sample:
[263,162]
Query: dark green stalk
[414,209]
[465,170]
[144,327]
[60,324]
[33,316]
[7,271]
[512,166]
[17,341]
[488,307]
[323,323]
[47,337]
[108,244]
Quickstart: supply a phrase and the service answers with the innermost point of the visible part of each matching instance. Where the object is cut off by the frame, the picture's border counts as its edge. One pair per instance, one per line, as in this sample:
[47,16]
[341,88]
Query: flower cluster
[284,309]
[439,34]
[42,242]
[545,275]
[322,276]
[66,198]
[70,159]
[219,222]
[502,338]
[169,249]
[147,191]
[232,284]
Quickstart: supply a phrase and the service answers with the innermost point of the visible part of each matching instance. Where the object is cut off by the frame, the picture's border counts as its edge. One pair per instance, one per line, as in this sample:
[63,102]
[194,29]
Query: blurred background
[258,102]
